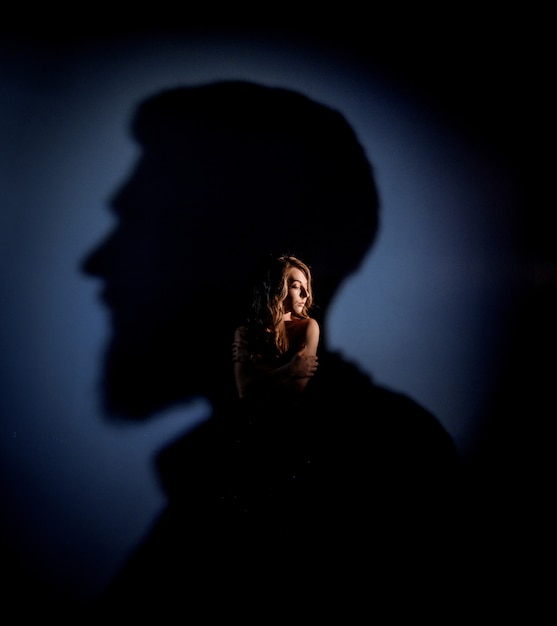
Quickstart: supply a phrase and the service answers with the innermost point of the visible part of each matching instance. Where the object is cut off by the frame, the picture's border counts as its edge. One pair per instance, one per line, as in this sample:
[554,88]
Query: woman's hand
[240,352]
[303,365]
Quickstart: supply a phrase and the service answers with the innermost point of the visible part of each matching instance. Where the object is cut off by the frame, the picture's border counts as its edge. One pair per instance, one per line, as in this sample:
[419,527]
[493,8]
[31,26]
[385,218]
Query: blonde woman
[275,352]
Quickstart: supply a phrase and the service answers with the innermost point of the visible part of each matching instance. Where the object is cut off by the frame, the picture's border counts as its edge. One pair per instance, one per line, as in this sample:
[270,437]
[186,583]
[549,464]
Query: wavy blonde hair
[267,308]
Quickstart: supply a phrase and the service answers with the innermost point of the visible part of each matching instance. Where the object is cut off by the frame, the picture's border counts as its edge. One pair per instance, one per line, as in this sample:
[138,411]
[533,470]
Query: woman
[275,352]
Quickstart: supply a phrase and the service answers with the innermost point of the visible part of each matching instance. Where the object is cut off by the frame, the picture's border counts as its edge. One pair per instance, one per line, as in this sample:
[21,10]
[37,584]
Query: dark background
[484,73]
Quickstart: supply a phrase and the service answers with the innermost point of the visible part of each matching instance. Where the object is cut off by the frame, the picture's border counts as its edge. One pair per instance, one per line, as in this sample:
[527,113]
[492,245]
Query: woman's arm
[304,363]
[252,376]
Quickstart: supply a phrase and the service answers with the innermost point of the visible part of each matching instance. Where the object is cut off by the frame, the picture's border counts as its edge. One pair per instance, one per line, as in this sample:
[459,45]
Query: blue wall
[428,312]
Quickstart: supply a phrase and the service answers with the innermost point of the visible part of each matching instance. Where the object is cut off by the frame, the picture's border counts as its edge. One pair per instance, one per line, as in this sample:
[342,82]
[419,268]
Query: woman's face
[297,294]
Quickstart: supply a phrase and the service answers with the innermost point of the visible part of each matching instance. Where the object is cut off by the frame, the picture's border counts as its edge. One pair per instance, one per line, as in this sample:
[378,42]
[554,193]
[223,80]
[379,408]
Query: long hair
[265,325]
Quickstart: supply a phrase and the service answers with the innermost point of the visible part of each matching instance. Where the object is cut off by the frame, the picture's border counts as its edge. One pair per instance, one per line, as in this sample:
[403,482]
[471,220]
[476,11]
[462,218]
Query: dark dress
[315,505]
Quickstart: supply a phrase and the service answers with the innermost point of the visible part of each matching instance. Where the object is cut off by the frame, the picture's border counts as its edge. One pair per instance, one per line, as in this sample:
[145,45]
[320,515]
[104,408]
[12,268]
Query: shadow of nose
[87,265]
[94,262]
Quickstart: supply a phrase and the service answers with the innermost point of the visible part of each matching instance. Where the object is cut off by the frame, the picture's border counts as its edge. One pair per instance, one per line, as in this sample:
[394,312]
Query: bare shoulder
[306,325]
[312,327]
[312,333]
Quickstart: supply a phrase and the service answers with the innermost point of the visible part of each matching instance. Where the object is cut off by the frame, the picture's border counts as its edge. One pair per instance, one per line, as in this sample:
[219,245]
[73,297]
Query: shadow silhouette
[319,511]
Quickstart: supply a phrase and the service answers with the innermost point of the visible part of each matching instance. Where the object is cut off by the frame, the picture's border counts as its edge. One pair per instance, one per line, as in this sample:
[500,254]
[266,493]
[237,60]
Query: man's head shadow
[229,172]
